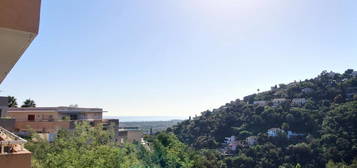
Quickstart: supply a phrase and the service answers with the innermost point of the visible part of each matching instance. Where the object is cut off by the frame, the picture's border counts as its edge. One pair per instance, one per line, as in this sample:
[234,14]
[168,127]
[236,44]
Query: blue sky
[179,57]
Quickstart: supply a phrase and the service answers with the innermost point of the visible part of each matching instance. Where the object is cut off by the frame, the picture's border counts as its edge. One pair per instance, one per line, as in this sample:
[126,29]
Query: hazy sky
[179,57]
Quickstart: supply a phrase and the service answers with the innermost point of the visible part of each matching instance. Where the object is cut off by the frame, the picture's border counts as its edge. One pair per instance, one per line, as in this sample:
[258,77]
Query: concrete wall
[96,116]
[16,160]
[49,127]
[46,116]
[3,106]
[130,136]
[8,124]
[39,116]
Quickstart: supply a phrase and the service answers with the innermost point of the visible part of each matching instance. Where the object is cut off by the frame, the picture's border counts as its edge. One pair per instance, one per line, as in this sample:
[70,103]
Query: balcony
[12,151]
[19,25]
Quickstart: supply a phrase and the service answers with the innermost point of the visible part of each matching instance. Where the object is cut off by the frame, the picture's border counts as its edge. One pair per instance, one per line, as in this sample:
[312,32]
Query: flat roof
[60,109]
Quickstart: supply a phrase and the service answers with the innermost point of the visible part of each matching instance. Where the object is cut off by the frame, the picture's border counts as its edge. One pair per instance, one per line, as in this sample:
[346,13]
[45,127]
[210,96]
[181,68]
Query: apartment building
[51,119]
[55,113]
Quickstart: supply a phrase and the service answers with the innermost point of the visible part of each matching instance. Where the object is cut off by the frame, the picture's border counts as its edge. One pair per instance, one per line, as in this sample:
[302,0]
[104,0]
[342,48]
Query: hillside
[306,122]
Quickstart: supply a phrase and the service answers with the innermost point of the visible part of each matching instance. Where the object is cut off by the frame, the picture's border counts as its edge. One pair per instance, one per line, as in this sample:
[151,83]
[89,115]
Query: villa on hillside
[292,135]
[307,90]
[130,135]
[278,101]
[251,140]
[273,132]
[260,103]
[298,101]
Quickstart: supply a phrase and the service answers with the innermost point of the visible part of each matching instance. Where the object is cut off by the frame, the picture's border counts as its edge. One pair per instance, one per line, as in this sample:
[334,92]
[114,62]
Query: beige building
[130,135]
[55,113]
[51,119]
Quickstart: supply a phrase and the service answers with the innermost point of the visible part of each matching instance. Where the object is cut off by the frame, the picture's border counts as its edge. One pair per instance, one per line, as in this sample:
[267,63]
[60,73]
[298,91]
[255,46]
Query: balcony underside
[13,44]
[19,24]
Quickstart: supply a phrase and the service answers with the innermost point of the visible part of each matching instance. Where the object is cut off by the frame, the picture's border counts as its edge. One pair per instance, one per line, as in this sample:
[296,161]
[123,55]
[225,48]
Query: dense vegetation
[326,123]
[93,147]
[327,120]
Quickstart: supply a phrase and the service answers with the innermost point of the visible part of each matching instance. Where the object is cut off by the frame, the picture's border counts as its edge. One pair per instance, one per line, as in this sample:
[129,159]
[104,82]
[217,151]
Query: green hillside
[320,112]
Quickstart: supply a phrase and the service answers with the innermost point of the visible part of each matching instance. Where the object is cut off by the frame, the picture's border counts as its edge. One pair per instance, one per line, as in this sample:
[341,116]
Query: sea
[145,118]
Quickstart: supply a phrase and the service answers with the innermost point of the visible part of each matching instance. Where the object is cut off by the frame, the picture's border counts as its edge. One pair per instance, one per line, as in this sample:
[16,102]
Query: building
[307,90]
[3,106]
[260,103]
[55,113]
[12,151]
[50,119]
[251,140]
[278,101]
[293,135]
[273,132]
[298,101]
[229,139]
[130,135]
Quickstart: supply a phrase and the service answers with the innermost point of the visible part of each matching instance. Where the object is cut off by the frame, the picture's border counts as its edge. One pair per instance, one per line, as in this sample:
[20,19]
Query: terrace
[10,143]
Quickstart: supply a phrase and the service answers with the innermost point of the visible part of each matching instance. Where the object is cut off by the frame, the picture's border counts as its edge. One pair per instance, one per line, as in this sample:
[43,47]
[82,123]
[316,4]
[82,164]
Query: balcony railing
[9,142]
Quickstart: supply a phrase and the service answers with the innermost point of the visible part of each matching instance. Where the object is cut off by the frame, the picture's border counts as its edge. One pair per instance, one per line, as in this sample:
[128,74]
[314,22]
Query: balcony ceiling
[19,24]
[13,43]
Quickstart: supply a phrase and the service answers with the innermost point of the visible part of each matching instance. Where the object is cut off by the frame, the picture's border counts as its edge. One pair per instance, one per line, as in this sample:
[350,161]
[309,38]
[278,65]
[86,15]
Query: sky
[179,57]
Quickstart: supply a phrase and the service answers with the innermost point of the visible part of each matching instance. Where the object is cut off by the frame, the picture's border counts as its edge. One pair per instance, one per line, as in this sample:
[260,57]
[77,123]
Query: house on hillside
[251,140]
[307,90]
[278,101]
[260,103]
[230,144]
[292,134]
[130,135]
[354,74]
[229,139]
[273,132]
[298,101]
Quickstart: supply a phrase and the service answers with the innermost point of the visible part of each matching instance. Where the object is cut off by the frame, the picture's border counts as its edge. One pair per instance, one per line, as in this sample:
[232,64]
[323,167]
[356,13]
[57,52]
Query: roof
[56,109]
[274,129]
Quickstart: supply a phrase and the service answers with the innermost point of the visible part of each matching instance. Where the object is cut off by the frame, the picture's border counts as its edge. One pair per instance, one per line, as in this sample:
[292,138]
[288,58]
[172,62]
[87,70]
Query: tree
[12,102]
[83,147]
[29,103]
[170,152]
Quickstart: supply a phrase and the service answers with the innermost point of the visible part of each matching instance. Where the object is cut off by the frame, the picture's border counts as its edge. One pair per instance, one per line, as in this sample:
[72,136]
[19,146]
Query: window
[0,112]
[31,117]
[50,118]
[73,117]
